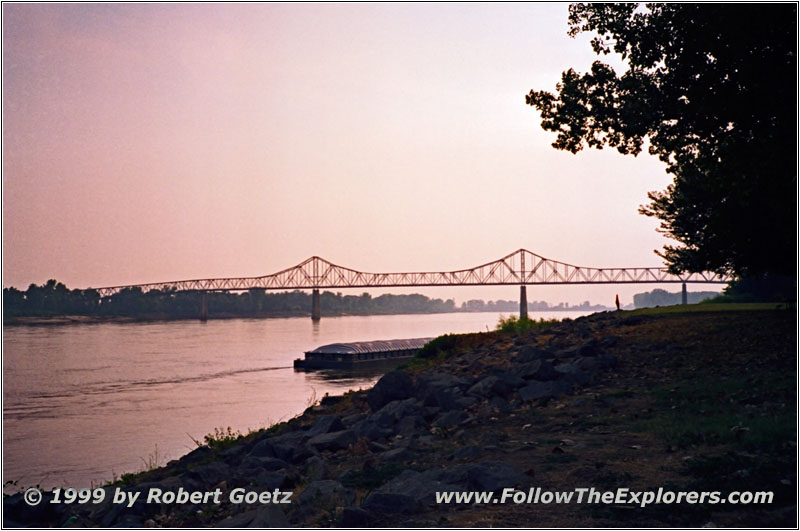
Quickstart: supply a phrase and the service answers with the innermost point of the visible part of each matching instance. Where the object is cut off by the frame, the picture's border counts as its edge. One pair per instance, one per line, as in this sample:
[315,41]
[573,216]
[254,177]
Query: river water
[85,403]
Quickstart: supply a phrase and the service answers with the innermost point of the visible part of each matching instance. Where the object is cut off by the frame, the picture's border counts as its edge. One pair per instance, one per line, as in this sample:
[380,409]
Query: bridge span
[521,267]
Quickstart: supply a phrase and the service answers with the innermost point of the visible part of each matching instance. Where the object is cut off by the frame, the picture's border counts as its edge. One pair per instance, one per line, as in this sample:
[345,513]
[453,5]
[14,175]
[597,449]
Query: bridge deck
[521,267]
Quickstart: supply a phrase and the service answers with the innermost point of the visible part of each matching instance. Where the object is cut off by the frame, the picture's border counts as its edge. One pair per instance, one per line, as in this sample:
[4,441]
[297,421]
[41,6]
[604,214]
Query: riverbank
[685,400]
[58,320]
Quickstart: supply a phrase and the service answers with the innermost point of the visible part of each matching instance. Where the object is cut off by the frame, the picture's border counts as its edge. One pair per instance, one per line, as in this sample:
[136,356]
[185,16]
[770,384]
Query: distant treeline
[534,306]
[659,297]
[54,299]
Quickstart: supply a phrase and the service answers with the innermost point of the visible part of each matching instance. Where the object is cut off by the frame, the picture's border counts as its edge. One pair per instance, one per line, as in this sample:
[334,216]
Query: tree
[711,90]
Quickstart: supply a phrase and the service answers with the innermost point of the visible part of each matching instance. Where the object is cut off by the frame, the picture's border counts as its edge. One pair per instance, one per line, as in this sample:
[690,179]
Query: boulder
[484,387]
[326,493]
[411,426]
[349,420]
[394,385]
[262,449]
[537,390]
[389,503]
[500,404]
[210,474]
[607,361]
[572,374]
[494,475]
[377,447]
[450,418]
[129,521]
[201,453]
[430,381]
[467,452]
[503,384]
[270,480]
[394,411]
[421,487]
[396,455]
[169,483]
[268,515]
[530,353]
[415,488]
[337,440]
[281,446]
[430,412]
[449,398]
[266,463]
[608,341]
[370,429]
[325,424]
[588,349]
[597,363]
[540,370]
[302,453]
[330,400]
[233,453]
[355,518]
[316,468]
[122,516]
[16,510]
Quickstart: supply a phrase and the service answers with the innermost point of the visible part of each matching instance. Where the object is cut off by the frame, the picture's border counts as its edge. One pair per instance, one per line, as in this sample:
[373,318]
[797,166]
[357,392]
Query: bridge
[521,268]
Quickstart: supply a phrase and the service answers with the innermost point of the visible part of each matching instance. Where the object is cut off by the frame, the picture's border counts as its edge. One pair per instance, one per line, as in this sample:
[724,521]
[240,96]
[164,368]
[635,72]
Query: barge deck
[361,354]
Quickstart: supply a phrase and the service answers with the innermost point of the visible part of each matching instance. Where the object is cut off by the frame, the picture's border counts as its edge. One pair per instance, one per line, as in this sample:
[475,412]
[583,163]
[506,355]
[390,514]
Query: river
[85,403]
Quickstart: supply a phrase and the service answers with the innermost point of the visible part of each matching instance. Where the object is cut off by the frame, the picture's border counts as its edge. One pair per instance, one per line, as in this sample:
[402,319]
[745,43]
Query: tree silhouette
[711,90]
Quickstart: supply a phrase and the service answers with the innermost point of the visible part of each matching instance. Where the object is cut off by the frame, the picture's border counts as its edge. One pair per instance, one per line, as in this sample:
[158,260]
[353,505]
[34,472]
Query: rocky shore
[683,401]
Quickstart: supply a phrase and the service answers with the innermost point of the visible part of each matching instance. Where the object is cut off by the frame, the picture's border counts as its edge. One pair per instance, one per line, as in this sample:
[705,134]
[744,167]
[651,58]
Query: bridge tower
[203,307]
[523,291]
[684,295]
[315,315]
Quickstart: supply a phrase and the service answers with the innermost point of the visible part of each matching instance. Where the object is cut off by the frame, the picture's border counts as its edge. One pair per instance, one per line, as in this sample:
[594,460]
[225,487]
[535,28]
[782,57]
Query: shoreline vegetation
[54,303]
[56,320]
[685,398]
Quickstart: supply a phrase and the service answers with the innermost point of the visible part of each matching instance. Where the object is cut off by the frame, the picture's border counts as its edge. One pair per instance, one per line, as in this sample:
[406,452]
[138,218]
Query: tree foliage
[711,90]
[54,298]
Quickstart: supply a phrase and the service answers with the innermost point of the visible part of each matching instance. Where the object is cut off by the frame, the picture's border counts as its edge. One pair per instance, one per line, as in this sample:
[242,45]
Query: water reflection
[83,402]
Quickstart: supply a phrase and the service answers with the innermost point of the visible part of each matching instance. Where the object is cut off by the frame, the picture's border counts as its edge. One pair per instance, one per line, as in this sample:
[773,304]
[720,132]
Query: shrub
[514,325]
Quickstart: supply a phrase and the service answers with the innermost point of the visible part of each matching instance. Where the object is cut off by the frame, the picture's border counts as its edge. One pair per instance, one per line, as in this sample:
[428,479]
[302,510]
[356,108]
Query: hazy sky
[151,142]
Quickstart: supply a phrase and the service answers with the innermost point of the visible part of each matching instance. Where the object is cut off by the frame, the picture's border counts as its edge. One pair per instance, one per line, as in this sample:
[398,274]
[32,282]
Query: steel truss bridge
[521,268]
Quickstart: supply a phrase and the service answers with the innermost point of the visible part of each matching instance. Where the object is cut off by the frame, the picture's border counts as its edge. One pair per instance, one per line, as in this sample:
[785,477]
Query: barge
[361,355]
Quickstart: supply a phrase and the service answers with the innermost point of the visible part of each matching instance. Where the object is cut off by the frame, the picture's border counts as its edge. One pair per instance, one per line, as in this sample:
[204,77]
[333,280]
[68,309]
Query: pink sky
[151,142]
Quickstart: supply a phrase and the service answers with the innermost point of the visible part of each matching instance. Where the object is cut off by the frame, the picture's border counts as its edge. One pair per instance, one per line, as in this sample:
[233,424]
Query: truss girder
[519,267]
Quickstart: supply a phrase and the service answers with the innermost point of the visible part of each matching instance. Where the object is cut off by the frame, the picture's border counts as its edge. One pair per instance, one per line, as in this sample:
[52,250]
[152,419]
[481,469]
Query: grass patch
[620,394]
[222,438]
[749,432]
[448,344]
[445,347]
[736,471]
[417,363]
[612,479]
[518,325]
[560,458]
[372,479]
[712,307]
[732,411]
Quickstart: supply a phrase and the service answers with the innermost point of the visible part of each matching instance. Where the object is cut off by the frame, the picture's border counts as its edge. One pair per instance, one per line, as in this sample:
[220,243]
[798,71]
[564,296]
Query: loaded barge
[361,354]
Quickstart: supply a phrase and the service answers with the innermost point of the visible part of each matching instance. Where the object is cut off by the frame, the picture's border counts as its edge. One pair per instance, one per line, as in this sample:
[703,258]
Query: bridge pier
[315,315]
[523,302]
[203,307]
[684,296]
